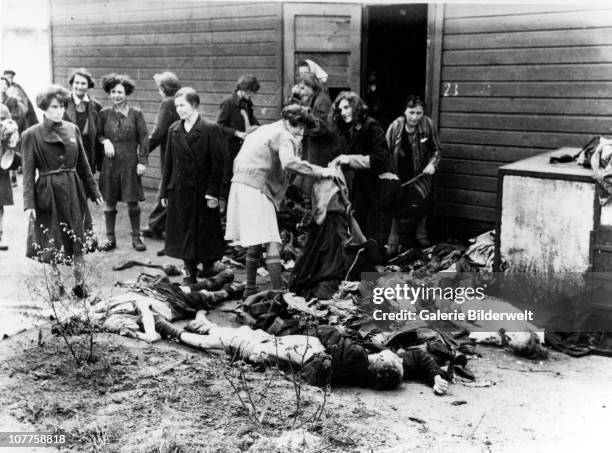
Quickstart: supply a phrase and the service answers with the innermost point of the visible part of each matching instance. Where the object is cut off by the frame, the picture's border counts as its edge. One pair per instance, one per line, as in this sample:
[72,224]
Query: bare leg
[148,323]
[78,269]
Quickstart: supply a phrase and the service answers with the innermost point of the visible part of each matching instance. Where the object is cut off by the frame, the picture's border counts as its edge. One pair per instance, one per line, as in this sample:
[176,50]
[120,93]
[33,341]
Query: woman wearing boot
[191,180]
[123,133]
[414,143]
[56,202]
[259,185]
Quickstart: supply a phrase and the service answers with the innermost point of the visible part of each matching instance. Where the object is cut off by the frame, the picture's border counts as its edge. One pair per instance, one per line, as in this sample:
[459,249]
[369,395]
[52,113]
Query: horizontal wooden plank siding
[207,44]
[517,80]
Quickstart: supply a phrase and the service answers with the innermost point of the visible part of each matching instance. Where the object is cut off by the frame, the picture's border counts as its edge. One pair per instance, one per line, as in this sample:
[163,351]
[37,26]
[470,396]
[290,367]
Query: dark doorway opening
[395,58]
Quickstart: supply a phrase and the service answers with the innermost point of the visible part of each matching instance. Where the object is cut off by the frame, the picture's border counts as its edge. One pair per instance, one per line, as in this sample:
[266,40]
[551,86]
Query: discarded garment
[299,304]
[169,269]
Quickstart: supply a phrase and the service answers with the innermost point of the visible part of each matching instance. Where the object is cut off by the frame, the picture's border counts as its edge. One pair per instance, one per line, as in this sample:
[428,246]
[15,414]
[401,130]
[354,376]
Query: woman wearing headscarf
[368,164]
[83,111]
[168,84]
[122,131]
[261,177]
[56,200]
[413,140]
[190,186]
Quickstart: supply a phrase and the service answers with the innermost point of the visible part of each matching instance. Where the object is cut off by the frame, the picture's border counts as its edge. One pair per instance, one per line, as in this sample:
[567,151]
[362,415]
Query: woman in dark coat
[122,131]
[83,111]
[190,186]
[236,119]
[168,84]
[56,202]
[368,164]
[9,136]
[414,143]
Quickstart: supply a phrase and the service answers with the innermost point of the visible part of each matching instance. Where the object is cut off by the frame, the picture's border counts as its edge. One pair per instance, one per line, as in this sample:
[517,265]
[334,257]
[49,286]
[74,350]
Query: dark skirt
[118,178]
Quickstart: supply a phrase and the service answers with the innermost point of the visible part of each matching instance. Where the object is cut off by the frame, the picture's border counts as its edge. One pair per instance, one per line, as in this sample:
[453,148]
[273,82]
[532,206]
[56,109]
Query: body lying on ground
[328,357]
[131,313]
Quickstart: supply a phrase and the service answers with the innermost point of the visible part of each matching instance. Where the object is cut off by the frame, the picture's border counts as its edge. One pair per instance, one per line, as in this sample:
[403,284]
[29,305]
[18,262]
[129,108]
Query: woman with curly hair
[367,163]
[56,201]
[122,131]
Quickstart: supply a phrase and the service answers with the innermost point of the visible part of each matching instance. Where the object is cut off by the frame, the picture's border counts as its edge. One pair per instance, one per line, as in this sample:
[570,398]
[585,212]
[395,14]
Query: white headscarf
[317,71]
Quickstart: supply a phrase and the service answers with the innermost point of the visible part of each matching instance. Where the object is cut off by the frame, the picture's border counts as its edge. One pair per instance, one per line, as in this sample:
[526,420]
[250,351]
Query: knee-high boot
[111,242]
[135,224]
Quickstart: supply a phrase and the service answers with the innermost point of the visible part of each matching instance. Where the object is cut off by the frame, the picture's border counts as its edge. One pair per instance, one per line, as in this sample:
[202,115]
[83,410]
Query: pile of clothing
[283,314]
[478,256]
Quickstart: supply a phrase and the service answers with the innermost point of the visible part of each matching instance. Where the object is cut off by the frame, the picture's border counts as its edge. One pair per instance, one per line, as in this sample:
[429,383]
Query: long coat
[193,169]
[93,149]
[59,194]
[129,135]
[368,193]
[165,118]
[424,147]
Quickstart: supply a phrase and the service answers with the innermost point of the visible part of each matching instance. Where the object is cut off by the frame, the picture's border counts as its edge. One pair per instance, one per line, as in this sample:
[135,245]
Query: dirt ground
[168,398]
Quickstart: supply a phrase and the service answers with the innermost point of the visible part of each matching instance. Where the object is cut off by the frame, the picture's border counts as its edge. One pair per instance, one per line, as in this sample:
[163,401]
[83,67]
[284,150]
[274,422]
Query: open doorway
[395,58]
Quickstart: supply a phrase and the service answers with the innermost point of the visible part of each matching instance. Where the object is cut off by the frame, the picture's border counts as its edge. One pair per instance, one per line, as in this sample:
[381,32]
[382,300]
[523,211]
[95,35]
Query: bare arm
[290,161]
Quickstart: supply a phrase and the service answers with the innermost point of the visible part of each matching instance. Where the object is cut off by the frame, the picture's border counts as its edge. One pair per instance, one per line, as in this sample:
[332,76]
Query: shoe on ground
[235,290]
[3,246]
[424,243]
[189,280]
[108,245]
[151,233]
[80,291]
[392,250]
[208,271]
[223,277]
[138,245]
[58,292]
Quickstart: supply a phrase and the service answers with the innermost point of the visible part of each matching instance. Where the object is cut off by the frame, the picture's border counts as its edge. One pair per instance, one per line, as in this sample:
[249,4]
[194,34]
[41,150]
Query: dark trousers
[157,218]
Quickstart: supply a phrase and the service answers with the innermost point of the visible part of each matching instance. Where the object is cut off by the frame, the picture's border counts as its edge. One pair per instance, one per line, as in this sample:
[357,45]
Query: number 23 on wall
[451,89]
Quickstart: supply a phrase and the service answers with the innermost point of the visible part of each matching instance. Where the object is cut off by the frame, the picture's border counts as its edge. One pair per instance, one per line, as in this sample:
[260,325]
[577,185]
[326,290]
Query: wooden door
[330,35]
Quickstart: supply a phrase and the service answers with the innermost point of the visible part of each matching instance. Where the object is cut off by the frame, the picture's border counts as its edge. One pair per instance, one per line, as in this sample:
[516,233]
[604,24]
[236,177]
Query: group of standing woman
[78,136]
[235,165]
